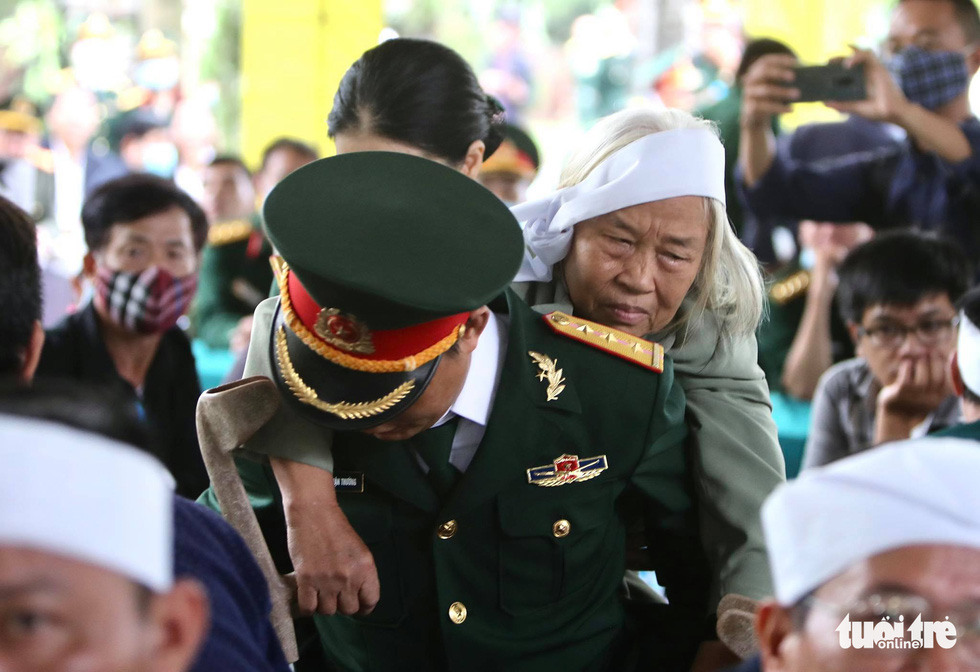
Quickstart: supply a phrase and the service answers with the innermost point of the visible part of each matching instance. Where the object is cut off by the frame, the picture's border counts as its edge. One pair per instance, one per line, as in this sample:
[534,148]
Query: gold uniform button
[447,529]
[457,612]
[561,528]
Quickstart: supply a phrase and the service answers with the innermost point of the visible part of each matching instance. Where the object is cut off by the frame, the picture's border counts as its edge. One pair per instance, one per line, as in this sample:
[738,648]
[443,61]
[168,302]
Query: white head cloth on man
[968,353]
[681,162]
[88,498]
[909,493]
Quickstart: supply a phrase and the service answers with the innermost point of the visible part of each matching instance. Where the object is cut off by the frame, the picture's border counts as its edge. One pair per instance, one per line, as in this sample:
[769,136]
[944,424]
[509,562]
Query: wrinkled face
[61,615]
[437,399]
[443,389]
[927,24]
[228,193]
[632,268]
[934,581]
[164,239]
[931,314]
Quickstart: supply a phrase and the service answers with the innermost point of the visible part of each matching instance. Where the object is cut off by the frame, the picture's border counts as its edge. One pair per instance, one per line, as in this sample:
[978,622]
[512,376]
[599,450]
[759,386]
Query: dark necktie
[434,446]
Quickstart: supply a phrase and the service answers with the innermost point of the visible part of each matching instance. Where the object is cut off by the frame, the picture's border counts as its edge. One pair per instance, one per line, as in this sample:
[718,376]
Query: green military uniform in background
[235,277]
[787,299]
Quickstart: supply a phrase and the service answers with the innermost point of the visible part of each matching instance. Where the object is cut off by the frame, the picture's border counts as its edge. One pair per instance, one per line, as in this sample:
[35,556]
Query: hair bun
[496,131]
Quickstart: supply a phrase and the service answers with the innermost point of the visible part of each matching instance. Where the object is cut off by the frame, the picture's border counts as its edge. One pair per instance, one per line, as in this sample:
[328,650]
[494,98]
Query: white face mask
[160,158]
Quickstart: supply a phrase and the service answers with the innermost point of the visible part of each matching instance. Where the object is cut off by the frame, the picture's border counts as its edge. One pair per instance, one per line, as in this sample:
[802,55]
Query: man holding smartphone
[930,182]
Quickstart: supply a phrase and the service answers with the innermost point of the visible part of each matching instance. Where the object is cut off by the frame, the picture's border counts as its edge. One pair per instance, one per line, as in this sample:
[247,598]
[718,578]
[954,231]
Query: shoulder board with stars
[786,290]
[647,354]
[226,233]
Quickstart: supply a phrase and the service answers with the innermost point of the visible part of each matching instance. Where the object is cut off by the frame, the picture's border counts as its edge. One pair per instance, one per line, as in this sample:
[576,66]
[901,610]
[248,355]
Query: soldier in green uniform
[235,272]
[480,449]
[510,170]
[804,334]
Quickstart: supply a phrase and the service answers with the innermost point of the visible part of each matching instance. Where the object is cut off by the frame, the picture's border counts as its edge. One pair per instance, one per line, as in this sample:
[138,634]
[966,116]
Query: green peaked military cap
[386,254]
[404,238]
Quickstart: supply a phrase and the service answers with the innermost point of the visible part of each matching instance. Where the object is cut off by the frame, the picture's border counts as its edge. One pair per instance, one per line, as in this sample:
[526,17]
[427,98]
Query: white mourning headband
[682,162]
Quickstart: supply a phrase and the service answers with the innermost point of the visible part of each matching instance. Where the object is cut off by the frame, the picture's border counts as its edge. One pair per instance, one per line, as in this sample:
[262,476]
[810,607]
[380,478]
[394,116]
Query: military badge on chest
[567,469]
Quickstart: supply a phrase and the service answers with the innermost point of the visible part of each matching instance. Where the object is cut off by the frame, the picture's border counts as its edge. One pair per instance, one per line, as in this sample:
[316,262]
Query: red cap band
[344,332]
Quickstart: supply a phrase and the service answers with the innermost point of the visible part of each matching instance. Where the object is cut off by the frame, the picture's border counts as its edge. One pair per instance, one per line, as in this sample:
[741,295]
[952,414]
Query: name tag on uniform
[348,481]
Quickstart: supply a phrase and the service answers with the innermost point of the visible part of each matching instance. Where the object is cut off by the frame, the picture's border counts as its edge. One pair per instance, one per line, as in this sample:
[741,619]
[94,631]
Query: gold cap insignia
[343,331]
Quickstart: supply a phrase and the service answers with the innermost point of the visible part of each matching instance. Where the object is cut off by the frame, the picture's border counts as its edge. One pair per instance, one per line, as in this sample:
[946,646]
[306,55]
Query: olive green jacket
[234,279]
[535,598]
[734,447]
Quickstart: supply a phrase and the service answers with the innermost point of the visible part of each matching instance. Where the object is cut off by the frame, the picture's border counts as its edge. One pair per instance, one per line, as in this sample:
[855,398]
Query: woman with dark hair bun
[409,96]
[416,97]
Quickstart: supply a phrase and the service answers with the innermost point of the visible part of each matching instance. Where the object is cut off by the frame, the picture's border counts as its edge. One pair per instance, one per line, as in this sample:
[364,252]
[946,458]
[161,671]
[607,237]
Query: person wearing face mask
[146,147]
[932,181]
[144,237]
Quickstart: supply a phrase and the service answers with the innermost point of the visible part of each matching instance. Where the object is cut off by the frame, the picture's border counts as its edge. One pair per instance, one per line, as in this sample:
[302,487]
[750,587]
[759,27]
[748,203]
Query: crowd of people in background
[830,269]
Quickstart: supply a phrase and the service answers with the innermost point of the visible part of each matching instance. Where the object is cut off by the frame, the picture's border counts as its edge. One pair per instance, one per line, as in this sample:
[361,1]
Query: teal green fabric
[228,279]
[534,601]
[966,430]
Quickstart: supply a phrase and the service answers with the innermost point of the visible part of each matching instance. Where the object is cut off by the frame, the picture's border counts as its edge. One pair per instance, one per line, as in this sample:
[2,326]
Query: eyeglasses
[905,609]
[930,332]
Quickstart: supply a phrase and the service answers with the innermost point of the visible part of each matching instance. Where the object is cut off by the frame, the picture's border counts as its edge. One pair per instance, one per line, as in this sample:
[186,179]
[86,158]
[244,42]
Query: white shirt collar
[476,398]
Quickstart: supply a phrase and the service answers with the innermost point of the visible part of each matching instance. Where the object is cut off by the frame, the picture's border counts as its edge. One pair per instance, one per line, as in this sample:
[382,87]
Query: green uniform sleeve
[663,477]
[216,310]
[737,459]
[287,435]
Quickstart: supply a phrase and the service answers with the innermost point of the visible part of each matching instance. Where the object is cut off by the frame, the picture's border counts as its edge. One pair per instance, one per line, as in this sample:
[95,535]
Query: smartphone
[830,82]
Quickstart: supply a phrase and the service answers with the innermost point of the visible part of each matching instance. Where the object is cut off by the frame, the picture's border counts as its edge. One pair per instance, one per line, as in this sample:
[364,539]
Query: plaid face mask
[147,302]
[929,78]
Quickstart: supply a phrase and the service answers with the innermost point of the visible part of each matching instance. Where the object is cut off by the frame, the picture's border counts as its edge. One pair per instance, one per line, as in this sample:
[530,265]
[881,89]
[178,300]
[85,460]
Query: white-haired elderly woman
[637,238]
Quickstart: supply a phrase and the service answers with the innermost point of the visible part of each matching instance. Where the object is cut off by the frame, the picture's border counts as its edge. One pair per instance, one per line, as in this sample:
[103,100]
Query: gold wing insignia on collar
[549,372]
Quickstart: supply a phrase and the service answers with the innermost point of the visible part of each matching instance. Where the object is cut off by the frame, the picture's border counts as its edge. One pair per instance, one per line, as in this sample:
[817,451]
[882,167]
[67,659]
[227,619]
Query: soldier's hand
[335,571]
[767,90]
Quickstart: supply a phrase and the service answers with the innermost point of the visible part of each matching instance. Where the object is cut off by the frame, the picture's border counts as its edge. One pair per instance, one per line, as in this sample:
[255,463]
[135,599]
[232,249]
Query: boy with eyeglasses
[896,295]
